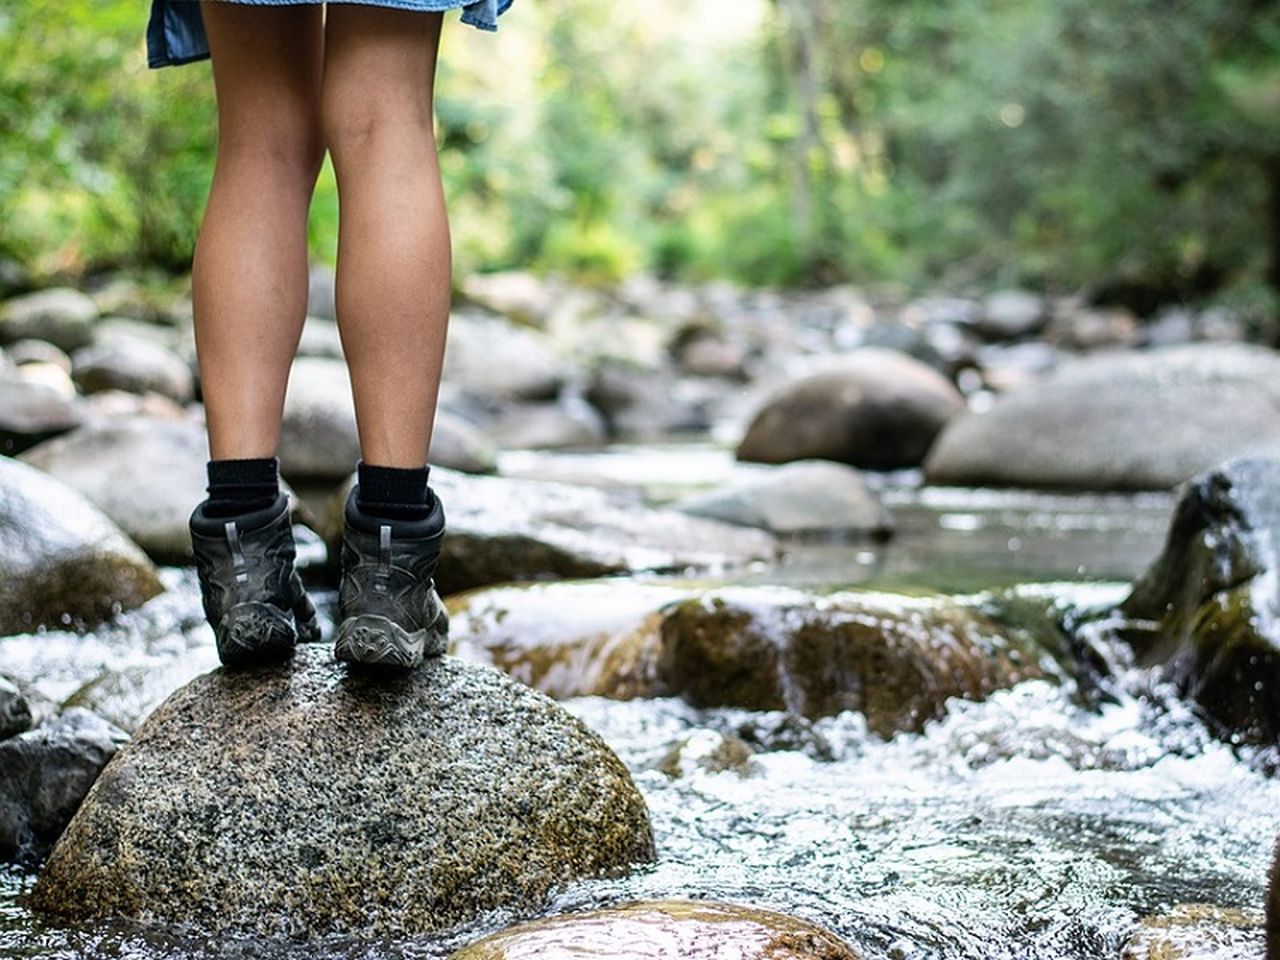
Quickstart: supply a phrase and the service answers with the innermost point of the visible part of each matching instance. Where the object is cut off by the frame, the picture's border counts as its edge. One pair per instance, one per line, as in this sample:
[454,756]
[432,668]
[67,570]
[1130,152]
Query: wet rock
[708,751]
[806,496]
[62,316]
[1008,314]
[45,774]
[134,365]
[872,408]
[145,473]
[15,712]
[689,929]
[557,424]
[1138,421]
[33,412]
[1191,930]
[237,804]
[566,639]
[1207,610]
[496,358]
[503,529]
[895,659]
[61,559]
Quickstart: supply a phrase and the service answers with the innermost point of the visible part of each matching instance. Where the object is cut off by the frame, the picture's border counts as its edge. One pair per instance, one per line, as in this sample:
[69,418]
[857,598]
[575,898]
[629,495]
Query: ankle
[393,493]
[241,485]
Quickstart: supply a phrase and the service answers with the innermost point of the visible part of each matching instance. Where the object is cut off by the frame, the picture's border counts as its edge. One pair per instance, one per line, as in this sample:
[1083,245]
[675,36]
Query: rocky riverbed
[834,704]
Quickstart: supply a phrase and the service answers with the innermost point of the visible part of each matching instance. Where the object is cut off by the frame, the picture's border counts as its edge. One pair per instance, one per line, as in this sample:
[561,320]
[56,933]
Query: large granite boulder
[1207,611]
[873,408]
[502,529]
[671,929]
[61,560]
[307,798]
[45,774]
[1133,421]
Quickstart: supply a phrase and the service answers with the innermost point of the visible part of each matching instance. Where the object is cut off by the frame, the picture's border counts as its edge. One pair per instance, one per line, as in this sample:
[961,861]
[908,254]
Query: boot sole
[378,641]
[254,632]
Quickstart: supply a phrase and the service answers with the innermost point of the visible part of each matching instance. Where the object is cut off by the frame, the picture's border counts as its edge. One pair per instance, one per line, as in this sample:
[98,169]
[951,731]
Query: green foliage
[1058,143]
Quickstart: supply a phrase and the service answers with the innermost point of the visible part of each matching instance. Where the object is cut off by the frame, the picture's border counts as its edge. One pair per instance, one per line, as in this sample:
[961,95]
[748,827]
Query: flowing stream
[1046,822]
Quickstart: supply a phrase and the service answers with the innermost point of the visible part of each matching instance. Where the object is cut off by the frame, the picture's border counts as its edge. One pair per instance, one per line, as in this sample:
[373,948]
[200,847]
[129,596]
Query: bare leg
[394,256]
[249,276]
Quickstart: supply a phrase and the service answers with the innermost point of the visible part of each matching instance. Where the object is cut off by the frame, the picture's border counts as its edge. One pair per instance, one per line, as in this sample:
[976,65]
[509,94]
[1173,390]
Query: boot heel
[255,632]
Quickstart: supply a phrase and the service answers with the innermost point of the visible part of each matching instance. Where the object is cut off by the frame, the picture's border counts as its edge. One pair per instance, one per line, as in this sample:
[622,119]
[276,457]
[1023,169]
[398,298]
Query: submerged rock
[1133,421]
[896,659]
[61,559]
[307,798]
[502,529]
[804,497]
[873,408]
[1208,609]
[672,929]
[45,774]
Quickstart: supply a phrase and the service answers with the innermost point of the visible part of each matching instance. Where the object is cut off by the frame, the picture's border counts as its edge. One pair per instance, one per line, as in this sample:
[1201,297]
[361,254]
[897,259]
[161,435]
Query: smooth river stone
[305,798]
[670,929]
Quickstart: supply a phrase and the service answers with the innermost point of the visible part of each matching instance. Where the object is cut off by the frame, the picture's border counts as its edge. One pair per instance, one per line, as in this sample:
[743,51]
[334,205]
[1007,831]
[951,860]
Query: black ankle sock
[242,485]
[395,493]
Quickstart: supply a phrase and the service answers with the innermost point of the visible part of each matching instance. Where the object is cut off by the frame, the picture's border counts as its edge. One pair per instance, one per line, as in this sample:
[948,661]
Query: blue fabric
[175,31]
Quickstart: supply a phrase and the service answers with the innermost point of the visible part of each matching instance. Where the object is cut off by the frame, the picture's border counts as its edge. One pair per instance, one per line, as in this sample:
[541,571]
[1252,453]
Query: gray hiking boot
[252,595]
[388,610]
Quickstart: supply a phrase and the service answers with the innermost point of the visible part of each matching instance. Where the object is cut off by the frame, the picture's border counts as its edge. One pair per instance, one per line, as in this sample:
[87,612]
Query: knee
[292,151]
[353,126]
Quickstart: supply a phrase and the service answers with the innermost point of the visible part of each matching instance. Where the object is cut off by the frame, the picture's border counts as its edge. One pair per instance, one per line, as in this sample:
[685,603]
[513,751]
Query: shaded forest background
[1129,148]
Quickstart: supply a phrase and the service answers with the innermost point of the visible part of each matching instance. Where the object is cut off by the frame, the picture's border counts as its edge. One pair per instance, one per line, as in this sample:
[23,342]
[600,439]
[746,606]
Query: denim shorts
[175,31]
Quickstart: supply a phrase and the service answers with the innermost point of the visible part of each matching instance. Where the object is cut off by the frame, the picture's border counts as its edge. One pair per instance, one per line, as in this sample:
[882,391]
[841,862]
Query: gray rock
[1207,611]
[61,559]
[318,436]
[1138,421]
[460,445]
[644,405]
[516,294]
[122,362]
[33,412]
[1094,328]
[502,529]
[807,496]
[45,774]
[557,424]
[871,408]
[237,804]
[120,405]
[15,712]
[494,357]
[320,338]
[322,299]
[38,351]
[62,316]
[145,473]
[683,929]
[1007,314]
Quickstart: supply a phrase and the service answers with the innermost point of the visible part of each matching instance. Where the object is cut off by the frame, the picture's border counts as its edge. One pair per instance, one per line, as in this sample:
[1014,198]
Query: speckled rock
[304,798]
[872,408]
[61,559]
[1192,930]
[896,659]
[45,774]
[502,529]
[1207,611]
[1132,421]
[671,929]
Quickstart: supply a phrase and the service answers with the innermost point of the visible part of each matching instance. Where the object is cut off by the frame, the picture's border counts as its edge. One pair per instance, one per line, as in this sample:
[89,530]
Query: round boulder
[306,798]
[673,929]
[130,363]
[61,560]
[1133,421]
[873,408]
[62,316]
